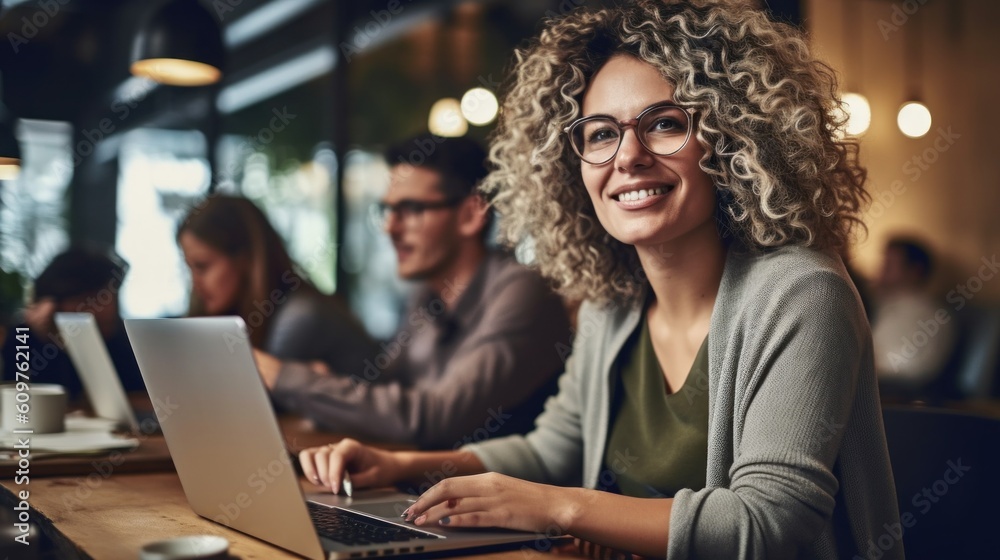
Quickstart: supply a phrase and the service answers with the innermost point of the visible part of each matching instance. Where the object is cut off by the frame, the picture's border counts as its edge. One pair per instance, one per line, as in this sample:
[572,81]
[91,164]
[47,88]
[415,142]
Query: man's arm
[511,352]
[316,327]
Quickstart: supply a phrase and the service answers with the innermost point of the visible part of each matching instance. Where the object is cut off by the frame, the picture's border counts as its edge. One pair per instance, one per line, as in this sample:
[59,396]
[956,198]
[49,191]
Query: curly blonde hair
[767,118]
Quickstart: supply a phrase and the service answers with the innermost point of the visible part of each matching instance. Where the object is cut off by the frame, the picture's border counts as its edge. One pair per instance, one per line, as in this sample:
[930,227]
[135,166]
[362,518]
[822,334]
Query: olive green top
[658,442]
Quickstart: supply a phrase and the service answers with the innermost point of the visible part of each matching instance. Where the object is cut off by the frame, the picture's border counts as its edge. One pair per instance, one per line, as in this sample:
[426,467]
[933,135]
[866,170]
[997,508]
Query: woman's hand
[268,366]
[368,467]
[495,500]
[607,521]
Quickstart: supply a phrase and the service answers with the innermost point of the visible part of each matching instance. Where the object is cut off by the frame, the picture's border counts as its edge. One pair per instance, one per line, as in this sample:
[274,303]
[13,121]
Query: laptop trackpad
[391,510]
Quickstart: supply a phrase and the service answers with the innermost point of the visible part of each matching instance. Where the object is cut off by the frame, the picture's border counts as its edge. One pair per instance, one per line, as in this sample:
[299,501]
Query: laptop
[104,389]
[232,461]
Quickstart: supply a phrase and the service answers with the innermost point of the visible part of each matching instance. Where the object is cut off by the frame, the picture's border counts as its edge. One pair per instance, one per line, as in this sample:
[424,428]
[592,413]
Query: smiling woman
[675,163]
[762,108]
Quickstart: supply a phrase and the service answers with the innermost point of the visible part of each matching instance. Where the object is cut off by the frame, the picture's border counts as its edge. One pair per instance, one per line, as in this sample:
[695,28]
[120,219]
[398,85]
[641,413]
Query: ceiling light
[479,106]
[446,118]
[181,45]
[914,119]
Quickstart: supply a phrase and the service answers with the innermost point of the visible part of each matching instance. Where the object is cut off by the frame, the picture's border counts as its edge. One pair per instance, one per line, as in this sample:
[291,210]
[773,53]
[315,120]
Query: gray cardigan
[797,459]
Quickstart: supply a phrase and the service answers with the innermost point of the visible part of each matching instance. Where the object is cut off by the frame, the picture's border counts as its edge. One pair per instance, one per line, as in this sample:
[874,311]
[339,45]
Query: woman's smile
[641,196]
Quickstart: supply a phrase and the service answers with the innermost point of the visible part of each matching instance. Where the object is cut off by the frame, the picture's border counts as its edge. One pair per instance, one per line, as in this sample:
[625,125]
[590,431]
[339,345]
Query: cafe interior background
[310,91]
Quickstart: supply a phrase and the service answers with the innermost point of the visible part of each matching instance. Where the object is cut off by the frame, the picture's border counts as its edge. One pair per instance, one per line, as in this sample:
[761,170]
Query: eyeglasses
[409,212]
[663,129]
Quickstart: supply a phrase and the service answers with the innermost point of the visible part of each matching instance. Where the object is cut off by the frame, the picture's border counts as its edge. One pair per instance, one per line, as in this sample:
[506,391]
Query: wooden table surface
[91,508]
[112,518]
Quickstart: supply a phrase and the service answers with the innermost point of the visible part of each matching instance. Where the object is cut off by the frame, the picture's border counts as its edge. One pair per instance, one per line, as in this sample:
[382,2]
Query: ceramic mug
[40,408]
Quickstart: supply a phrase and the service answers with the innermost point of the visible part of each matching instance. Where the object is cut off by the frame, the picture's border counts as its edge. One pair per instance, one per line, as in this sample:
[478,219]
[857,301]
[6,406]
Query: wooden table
[87,511]
[114,517]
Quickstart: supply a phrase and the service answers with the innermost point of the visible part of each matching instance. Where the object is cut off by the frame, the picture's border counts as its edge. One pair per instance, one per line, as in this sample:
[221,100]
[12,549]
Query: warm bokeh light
[859,113]
[9,168]
[176,72]
[446,118]
[914,119]
[479,106]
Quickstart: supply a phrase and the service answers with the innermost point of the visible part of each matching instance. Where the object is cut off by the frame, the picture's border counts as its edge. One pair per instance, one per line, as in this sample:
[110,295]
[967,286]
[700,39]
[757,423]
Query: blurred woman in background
[239,266]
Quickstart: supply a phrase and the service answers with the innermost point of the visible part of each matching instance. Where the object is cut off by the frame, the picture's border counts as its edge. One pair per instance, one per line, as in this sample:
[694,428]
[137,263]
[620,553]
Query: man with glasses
[483,342]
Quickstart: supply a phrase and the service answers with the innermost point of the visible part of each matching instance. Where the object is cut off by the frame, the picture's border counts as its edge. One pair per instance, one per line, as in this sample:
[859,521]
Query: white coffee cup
[45,410]
[186,548]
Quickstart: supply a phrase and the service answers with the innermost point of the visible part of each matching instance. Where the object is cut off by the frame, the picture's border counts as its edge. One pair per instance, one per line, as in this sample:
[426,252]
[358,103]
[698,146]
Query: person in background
[78,280]
[239,266]
[483,341]
[678,165]
[913,332]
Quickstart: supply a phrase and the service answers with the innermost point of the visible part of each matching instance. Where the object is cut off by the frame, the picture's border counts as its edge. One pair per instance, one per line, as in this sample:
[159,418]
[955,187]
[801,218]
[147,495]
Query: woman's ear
[473,216]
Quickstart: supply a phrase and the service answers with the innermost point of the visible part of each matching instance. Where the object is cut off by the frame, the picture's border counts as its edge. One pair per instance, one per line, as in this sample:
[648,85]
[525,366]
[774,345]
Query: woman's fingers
[459,512]
[325,465]
[440,492]
[314,464]
[456,491]
[472,519]
[483,500]
[307,462]
[438,511]
[335,465]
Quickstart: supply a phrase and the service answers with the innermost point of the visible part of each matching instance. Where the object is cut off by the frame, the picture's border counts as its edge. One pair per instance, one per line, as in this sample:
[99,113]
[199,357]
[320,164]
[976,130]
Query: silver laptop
[100,379]
[233,464]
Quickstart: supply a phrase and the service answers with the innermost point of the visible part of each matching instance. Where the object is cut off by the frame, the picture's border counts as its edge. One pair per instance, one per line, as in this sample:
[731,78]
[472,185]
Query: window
[33,227]
[376,291]
[162,174]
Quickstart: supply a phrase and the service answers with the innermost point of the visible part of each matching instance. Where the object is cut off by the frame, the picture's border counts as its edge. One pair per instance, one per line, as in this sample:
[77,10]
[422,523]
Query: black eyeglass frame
[634,123]
[415,207]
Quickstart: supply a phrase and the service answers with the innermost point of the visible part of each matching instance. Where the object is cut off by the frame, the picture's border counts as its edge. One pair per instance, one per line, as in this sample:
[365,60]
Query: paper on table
[82,435]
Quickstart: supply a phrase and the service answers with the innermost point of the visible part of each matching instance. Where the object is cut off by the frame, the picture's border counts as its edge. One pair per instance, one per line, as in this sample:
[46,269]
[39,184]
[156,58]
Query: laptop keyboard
[353,529]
